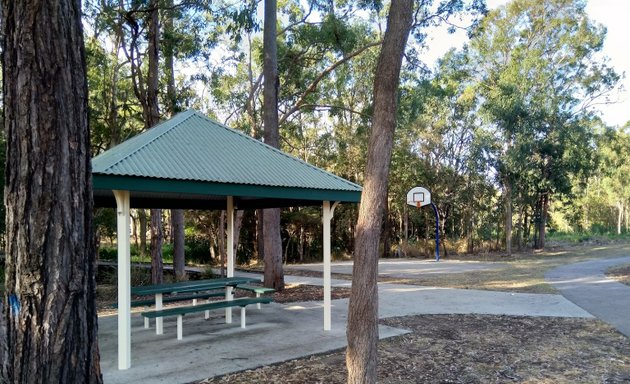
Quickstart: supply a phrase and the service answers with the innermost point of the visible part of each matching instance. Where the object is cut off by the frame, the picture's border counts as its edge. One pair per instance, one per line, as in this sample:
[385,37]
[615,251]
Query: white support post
[328,212]
[180,326]
[159,321]
[124,279]
[242,317]
[230,255]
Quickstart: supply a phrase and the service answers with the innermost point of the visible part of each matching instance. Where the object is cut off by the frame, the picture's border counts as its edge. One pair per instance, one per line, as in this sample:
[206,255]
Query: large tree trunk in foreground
[50,312]
[274,275]
[362,329]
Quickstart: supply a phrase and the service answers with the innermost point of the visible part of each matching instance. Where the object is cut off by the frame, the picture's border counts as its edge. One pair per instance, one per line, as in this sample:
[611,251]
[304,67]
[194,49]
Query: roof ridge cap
[152,140]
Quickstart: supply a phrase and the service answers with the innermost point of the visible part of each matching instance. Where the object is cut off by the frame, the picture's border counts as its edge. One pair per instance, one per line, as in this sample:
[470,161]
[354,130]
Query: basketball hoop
[418,197]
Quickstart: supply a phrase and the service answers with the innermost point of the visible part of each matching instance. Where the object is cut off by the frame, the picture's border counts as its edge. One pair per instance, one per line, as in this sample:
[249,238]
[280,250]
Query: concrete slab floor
[210,347]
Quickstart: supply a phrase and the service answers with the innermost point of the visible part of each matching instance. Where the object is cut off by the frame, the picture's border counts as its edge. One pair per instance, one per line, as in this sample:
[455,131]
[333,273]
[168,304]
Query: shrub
[197,250]
[107,253]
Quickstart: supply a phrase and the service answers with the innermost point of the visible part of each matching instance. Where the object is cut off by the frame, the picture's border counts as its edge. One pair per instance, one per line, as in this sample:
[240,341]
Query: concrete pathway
[586,285]
[406,268]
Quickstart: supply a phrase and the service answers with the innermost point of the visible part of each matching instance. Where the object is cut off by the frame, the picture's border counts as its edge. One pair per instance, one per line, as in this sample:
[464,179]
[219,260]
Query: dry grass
[522,272]
[621,273]
[474,349]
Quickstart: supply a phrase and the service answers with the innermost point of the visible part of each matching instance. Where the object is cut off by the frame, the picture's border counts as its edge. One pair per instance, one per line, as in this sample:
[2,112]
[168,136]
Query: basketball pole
[420,197]
[437,232]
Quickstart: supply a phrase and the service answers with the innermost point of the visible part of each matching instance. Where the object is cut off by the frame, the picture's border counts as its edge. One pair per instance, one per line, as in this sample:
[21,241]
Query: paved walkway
[586,285]
[406,268]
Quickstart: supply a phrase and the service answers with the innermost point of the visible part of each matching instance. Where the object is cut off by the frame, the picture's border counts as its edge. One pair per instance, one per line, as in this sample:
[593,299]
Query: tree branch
[313,86]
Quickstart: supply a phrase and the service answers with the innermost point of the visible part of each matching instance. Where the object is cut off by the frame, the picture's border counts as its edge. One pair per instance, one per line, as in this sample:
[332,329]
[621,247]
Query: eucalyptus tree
[49,319]
[615,168]
[362,331]
[537,80]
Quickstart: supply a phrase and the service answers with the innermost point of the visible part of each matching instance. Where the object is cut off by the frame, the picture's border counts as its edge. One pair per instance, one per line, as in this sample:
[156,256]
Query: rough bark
[157,237]
[143,219]
[222,243]
[50,324]
[152,117]
[362,331]
[179,263]
[260,238]
[274,274]
[177,215]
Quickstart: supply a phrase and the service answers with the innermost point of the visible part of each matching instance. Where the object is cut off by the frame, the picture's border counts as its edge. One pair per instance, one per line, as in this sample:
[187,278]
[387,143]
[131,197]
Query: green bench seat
[181,311]
[174,298]
[256,289]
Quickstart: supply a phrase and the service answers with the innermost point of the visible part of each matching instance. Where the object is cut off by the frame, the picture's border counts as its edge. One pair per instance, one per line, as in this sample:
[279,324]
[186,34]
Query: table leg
[228,311]
[159,325]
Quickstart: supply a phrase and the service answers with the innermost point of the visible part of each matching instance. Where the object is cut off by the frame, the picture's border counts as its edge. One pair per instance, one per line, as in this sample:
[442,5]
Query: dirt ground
[484,349]
[474,349]
[620,273]
[522,272]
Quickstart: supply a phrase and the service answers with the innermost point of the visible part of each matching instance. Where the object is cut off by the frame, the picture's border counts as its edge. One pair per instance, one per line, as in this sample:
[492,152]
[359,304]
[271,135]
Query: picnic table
[227,284]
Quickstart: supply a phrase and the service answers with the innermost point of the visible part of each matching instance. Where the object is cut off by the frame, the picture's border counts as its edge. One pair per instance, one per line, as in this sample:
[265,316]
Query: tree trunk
[542,229]
[274,274]
[526,227]
[260,237]
[49,319]
[222,242]
[519,229]
[142,217]
[362,331]
[179,262]
[157,237]
[152,117]
[507,191]
[619,217]
[386,233]
[238,223]
[177,215]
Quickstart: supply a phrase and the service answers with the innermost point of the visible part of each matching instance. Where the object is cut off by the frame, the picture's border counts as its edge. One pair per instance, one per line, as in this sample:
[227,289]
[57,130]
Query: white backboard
[418,197]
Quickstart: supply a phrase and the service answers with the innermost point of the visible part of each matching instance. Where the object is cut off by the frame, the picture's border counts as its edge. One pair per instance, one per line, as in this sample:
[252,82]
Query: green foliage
[106,253]
[105,224]
[511,107]
[197,250]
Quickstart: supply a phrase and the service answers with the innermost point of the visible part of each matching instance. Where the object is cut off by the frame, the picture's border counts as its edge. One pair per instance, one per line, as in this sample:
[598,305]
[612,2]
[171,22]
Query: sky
[613,14]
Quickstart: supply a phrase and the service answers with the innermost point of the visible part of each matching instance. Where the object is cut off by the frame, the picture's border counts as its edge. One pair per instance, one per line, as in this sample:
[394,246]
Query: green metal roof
[192,161]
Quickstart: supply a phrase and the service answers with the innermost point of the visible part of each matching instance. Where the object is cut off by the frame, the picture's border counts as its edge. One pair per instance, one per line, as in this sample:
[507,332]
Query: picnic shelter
[193,162]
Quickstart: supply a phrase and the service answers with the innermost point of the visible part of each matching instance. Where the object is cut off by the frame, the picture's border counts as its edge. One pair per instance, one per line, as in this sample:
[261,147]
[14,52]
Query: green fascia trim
[109,182]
